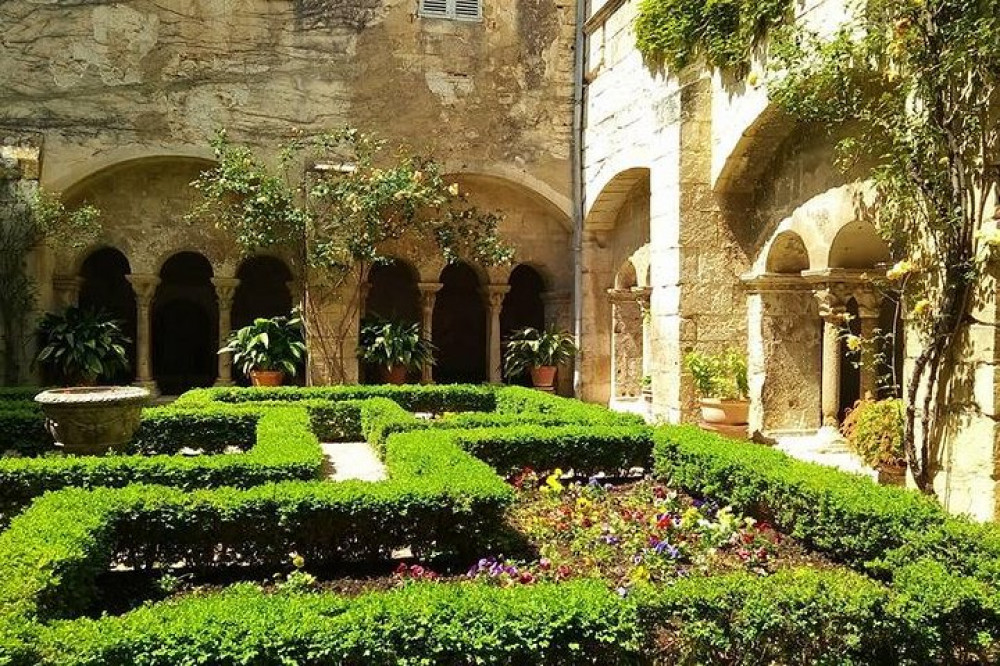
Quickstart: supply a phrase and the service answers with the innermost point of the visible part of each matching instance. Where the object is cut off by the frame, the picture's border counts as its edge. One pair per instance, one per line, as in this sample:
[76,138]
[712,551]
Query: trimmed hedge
[285,449]
[22,429]
[850,518]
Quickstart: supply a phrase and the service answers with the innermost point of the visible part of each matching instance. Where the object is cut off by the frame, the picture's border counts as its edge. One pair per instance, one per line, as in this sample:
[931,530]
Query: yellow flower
[298,561]
[853,342]
[453,189]
[921,307]
[900,270]
[990,237]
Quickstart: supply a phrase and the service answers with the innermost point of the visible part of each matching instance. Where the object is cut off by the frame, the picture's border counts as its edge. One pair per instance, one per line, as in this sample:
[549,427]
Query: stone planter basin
[92,420]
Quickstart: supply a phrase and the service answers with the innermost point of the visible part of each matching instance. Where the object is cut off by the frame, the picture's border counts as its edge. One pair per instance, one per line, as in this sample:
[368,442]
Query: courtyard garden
[512,527]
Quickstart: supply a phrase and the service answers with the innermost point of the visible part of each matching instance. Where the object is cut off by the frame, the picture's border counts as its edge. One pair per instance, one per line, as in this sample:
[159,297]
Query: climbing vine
[677,33]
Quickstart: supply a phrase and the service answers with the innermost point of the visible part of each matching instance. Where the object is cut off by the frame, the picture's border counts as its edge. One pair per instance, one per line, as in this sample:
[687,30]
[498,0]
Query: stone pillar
[832,310]
[428,295]
[642,297]
[868,314]
[144,287]
[559,316]
[66,290]
[225,290]
[495,294]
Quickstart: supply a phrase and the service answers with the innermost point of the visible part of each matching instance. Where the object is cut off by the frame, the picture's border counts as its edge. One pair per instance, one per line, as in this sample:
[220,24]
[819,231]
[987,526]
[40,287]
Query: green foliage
[529,348]
[722,32]
[719,375]
[268,344]
[874,430]
[388,343]
[81,345]
[22,428]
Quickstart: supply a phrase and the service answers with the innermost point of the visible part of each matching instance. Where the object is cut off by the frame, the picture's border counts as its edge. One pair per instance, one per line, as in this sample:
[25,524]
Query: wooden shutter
[434,8]
[469,10]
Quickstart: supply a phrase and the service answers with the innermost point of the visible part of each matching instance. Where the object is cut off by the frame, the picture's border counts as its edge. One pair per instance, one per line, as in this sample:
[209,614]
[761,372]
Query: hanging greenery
[677,33]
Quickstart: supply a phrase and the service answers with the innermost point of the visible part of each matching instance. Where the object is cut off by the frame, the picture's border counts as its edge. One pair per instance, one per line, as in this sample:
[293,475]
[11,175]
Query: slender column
[832,310]
[144,287]
[642,295]
[494,293]
[428,295]
[868,313]
[225,290]
[66,289]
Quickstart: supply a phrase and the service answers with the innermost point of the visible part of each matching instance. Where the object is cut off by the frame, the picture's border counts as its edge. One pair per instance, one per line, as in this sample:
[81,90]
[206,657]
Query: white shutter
[468,10]
[434,8]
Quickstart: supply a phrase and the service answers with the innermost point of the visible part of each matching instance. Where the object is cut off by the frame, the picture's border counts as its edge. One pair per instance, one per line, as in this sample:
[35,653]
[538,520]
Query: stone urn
[92,420]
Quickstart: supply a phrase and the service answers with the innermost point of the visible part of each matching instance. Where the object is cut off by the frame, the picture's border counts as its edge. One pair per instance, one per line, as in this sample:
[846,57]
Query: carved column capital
[832,305]
[144,287]
[869,303]
[495,294]
[225,290]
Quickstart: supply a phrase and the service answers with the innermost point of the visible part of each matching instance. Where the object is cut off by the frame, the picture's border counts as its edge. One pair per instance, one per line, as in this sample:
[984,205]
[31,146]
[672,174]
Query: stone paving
[824,448]
[352,460]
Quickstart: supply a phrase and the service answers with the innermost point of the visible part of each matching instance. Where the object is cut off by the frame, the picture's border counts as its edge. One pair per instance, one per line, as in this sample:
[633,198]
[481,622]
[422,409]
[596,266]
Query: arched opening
[263,290]
[392,294]
[787,254]
[858,246]
[850,364]
[890,348]
[523,307]
[185,325]
[104,287]
[459,327]
[626,335]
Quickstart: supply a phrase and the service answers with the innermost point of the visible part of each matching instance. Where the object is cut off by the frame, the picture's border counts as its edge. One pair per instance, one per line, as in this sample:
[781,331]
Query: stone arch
[393,292]
[754,151]
[602,214]
[103,286]
[459,326]
[185,324]
[66,176]
[857,246]
[523,306]
[263,290]
[787,254]
[523,180]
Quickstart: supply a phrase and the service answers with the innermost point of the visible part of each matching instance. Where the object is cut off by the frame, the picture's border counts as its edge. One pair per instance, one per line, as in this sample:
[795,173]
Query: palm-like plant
[81,345]
[389,344]
[274,344]
[529,348]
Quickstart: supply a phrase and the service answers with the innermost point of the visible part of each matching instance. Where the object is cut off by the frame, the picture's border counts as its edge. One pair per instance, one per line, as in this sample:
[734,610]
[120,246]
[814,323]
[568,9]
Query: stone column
[225,290]
[494,293]
[869,303]
[642,297]
[559,316]
[428,295]
[144,287]
[832,310]
[66,290]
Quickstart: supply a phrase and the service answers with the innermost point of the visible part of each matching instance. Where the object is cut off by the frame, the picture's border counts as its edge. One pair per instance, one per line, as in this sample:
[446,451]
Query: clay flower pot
[715,411]
[93,420]
[267,377]
[395,374]
[543,377]
[892,475]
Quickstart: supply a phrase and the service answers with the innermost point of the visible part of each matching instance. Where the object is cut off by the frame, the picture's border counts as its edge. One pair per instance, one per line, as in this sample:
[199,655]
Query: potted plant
[268,349]
[81,345]
[395,347]
[721,383]
[874,430]
[538,352]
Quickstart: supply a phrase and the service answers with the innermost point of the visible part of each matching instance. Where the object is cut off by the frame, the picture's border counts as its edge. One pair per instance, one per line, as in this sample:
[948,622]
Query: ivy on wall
[676,33]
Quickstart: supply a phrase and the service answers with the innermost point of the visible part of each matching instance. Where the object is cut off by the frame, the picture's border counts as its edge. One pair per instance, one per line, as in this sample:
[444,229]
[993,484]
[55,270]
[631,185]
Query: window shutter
[469,10]
[434,8]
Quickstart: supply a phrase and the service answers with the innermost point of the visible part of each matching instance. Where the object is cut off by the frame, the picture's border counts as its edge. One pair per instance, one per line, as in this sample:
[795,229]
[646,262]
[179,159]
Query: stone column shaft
[428,296]
[225,291]
[144,287]
[832,310]
[868,314]
[495,294]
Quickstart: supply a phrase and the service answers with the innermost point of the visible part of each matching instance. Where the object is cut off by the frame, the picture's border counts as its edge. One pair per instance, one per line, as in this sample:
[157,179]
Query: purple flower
[665,548]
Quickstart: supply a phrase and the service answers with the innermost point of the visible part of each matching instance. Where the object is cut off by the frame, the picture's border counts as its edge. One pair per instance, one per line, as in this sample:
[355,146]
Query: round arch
[603,213]
[523,306]
[857,246]
[104,287]
[263,290]
[787,254]
[185,325]
[459,326]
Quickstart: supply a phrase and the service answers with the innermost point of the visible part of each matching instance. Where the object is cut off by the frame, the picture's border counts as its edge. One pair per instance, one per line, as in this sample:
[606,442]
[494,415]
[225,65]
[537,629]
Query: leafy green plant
[874,430]
[81,345]
[529,348]
[721,376]
[268,344]
[388,343]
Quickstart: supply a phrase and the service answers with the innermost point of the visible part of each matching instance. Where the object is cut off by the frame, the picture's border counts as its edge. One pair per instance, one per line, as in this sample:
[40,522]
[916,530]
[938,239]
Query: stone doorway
[103,287]
[522,307]
[263,292]
[459,327]
[392,294]
[185,325]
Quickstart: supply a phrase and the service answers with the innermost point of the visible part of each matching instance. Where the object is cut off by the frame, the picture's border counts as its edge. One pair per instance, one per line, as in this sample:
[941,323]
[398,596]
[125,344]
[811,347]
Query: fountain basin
[93,420]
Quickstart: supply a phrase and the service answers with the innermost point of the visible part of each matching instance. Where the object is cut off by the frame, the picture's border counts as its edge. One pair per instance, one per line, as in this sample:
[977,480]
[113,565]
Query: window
[461,10]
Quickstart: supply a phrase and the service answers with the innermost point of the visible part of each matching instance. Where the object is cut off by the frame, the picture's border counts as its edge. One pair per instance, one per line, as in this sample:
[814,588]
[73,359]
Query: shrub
[874,430]
[164,430]
[412,397]
[22,429]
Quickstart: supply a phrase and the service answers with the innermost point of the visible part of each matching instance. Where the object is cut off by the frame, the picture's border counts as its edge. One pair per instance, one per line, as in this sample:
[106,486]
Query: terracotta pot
[267,377]
[394,375]
[543,376]
[892,475]
[93,420]
[725,412]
